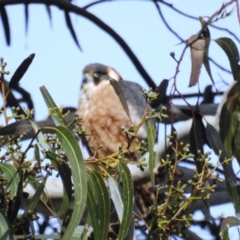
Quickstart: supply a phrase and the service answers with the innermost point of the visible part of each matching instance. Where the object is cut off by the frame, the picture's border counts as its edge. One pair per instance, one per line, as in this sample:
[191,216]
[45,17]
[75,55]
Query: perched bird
[103,117]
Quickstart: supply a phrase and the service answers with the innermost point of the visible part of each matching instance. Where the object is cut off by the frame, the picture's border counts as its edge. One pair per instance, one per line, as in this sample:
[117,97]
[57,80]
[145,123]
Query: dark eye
[98,74]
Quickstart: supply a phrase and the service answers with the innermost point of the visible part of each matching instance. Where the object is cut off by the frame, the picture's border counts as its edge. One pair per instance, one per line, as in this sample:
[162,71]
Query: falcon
[103,117]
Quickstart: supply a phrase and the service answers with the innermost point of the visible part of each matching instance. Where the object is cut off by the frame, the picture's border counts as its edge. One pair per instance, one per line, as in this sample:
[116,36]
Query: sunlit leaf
[227,223]
[79,177]
[116,197]
[52,105]
[151,135]
[12,178]
[78,232]
[4,228]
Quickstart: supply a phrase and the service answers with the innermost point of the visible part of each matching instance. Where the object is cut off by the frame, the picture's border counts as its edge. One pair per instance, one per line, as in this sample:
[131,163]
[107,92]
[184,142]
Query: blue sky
[58,62]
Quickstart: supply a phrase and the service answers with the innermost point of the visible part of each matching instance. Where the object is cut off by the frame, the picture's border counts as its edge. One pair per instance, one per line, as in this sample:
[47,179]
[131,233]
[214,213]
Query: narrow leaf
[35,185]
[231,181]
[151,135]
[103,204]
[12,178]
[217,146]
[197,46]
[48,9]
[4,228]
[196,136]
[71,29]
[18,74]
[26,13]
[64,171]
[41,138]
[52,105]
[5,22]
[207,38]
[75,157]
[127,199]
[226,122]
[206,60]
[119,93]
[35,199]
[227,223]
[93,214]
[116,197]
[231,50]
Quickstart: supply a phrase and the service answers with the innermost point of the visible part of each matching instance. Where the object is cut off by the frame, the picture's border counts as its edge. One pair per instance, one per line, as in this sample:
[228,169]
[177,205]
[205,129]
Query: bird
[103,118]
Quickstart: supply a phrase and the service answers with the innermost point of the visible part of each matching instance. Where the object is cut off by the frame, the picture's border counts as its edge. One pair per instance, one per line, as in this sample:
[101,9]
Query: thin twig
[165,22]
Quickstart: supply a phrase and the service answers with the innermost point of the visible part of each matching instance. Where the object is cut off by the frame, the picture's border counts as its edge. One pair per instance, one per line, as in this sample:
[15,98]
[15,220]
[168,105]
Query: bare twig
[165,22]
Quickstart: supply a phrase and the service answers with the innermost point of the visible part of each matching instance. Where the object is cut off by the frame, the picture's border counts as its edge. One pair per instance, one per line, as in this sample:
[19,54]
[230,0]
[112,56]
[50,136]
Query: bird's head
[92,73]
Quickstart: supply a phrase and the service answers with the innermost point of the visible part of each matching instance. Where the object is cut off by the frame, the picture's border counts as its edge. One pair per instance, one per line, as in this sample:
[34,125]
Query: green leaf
[116,197]
[236,137]
[94,217]
[206,60]
[41,138]
[36,184]
[4,228]
[35,199]
[78,232]
[103,203]
[231,181]
[21,70]
[227,223]
[64,171]
[151,135]
[127,199]
[231,50]
[119,93]
[227,122]
[52,105]
[75,157]
[196,136]
[12,177]
[65,174]
[41,236]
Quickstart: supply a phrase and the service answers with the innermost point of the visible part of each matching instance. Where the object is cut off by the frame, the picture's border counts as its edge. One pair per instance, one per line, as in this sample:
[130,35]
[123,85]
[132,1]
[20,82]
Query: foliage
[98,193]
